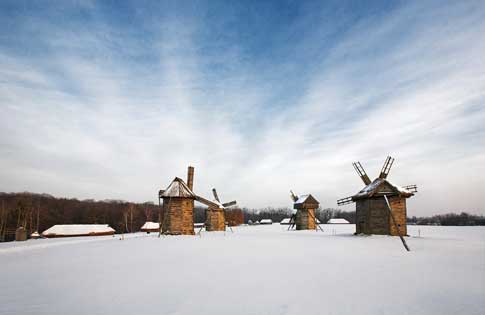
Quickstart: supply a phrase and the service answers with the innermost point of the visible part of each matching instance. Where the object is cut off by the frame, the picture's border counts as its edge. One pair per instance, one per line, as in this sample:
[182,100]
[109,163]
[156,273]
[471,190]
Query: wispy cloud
[103,102]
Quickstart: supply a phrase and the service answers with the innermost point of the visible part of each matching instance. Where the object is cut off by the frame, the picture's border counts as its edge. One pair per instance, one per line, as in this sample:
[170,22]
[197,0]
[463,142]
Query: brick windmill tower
[380,205]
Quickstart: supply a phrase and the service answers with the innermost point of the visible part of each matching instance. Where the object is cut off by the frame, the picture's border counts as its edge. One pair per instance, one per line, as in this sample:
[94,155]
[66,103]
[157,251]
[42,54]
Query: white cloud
[89,121]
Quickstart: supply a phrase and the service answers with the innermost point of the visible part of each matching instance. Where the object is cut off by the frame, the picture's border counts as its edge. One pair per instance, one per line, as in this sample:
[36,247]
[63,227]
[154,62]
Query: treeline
[450,219]
[278,214]
[38,212]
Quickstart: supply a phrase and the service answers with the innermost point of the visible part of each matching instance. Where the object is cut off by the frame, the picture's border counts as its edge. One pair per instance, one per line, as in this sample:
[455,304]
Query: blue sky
[113,99]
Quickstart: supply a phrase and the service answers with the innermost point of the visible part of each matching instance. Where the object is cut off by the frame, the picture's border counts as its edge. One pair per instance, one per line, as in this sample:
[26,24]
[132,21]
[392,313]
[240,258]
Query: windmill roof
[381,186]
[305,199]
[178,188]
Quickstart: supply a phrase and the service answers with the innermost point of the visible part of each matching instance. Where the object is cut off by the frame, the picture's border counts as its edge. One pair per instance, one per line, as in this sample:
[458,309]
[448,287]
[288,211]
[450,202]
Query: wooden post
[395,224]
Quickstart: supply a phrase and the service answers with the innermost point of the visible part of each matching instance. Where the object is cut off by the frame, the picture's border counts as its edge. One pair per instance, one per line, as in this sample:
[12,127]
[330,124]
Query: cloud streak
[114,102]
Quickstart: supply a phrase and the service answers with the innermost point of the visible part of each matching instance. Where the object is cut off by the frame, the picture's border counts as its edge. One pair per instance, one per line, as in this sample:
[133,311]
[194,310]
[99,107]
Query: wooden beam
[395,224]
[206,202]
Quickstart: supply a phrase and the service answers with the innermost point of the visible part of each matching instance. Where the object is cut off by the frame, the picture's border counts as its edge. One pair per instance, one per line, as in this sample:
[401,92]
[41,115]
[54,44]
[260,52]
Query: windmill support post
[316,222]
[395,224]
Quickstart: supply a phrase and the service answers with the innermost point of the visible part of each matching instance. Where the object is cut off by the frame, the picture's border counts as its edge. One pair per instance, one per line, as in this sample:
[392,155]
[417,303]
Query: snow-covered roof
[150,226]
[338,221]
[285,221]
[305,200]
[376,187]
[266,221]
[178,188]
[77,229]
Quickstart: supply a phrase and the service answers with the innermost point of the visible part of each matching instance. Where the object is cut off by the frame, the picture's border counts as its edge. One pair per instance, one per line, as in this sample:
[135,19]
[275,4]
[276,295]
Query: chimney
[190,177]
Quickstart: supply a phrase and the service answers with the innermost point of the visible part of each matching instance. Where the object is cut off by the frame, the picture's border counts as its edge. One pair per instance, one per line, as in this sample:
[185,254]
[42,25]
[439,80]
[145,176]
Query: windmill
[178,205]
[216,214]
[304,218]
[380,205]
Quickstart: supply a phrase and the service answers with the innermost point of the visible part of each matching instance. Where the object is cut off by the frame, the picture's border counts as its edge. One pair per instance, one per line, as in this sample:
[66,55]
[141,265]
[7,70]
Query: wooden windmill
[304,218]
[216,213]
[380,205]
[178,206]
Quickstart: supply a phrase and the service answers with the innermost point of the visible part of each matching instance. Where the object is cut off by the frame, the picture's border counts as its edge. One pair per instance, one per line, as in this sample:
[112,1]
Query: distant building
[266,221]
[70,230]
[150,227]
[338,221]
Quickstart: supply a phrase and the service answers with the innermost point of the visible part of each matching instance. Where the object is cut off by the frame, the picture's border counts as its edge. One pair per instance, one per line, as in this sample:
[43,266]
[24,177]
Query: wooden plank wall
[215,220]
[398,206]
[372,216]
[178,216]
[305,219]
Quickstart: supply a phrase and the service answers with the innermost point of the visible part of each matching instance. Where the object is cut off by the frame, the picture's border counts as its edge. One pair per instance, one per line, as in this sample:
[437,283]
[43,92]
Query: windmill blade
[214,192]
[344,201]
[386,167]
[293,196]
[361,172]
[411,188]
[228,204]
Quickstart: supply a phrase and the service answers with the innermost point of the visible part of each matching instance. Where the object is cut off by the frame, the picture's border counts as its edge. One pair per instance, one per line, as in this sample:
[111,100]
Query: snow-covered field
[255,270]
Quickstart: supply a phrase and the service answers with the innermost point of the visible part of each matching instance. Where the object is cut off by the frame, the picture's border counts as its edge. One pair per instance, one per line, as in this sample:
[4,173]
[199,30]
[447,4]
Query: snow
[301,199]
[333,272]
[376,183]
[266,221]
[337,221]
[150,226]
[77,229]
[285,221]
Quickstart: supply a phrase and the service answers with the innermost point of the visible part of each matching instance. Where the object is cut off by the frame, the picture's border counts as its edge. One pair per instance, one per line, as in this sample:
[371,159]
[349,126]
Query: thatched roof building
[150,227]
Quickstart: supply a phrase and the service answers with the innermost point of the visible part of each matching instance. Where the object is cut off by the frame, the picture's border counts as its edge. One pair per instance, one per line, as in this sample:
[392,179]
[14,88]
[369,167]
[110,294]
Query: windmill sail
[361,172]
[386,167]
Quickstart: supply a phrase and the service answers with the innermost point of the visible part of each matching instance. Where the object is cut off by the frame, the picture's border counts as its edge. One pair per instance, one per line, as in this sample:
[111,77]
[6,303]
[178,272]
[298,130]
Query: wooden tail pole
[200,230]
[316,222]
[292,221]
[395,224]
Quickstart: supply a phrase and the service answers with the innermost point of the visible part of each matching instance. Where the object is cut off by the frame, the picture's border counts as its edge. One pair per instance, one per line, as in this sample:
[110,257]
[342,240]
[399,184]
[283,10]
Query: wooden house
[380,205]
